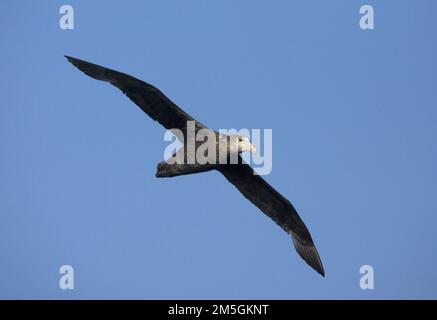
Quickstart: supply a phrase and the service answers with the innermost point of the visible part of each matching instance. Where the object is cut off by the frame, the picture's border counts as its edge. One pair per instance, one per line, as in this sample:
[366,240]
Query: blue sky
[353,115]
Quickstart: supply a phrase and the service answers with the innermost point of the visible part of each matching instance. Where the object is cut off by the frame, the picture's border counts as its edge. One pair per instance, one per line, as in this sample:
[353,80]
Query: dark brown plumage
[160,108]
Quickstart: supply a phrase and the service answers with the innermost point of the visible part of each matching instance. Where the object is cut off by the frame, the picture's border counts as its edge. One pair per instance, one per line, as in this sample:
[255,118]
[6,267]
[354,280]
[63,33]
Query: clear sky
[353,115]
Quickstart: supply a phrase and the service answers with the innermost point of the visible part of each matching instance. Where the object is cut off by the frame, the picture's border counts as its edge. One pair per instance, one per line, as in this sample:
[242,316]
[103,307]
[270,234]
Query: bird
[251,185]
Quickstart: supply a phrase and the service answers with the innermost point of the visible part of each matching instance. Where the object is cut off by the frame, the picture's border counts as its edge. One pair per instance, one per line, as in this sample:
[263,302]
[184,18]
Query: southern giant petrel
[160,108]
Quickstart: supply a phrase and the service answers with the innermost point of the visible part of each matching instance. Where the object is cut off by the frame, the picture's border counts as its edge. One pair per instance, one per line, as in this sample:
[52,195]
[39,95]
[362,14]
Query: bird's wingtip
[71,59]
[310,255]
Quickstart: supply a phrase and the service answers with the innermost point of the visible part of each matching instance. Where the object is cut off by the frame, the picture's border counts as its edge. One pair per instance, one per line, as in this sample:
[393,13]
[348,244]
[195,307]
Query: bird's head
[241,144]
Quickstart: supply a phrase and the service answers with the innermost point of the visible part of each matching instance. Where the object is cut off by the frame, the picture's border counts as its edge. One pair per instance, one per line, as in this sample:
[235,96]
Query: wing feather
[277,207]
[149,98]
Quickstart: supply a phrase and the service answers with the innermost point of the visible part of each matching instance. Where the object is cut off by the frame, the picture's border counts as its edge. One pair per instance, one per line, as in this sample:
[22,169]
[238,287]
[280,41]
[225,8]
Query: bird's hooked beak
[252,148]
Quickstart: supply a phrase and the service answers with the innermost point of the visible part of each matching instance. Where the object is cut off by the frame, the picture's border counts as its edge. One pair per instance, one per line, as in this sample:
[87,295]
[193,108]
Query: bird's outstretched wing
[149,98]
[273,204]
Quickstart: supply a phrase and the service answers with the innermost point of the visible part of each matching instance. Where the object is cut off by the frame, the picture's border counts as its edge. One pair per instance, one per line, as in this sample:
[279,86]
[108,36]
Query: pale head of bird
[241,144]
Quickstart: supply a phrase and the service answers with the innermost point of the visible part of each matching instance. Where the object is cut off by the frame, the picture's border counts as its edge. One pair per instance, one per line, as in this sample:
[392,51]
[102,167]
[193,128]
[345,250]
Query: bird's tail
[166,170]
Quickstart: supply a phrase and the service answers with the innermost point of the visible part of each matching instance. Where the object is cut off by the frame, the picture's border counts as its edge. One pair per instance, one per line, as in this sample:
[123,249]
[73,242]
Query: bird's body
[226,154]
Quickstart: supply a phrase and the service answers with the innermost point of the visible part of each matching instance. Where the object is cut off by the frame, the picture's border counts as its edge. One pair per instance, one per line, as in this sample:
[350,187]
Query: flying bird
[252,186]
